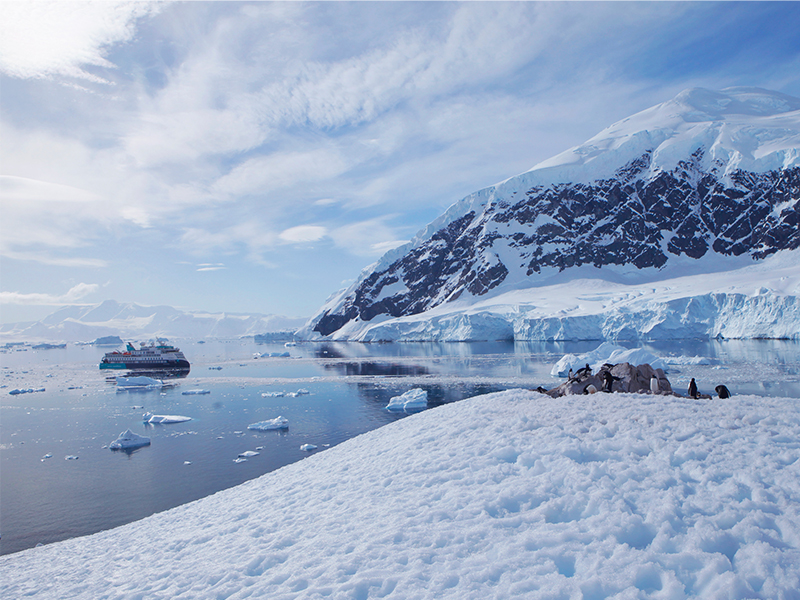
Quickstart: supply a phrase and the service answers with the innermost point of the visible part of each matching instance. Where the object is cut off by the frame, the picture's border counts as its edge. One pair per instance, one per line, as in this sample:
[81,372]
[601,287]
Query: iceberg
[276,423]
[606,352]
[248,454]
[138,383]
[163,419]
[308,447]
[128,440]
[415,399]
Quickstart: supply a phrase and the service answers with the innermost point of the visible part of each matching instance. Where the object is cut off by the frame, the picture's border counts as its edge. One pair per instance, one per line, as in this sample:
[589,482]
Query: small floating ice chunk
[215,368]
[25,391]
[46,456]
[273,394]
[248,454]
[163,419]
[138,383]
[412,399]
[128,439]
[197,392]
[239,460]
[187,462]
[276,423]
[308,447]
[70,457]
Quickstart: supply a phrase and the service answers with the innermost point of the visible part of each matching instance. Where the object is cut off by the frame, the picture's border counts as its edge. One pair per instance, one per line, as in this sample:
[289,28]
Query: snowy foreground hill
[132,321]
[509,495]
[706,183]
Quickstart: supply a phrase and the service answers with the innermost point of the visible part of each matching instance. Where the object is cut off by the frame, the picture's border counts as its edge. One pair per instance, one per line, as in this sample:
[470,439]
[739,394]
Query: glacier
[756,301]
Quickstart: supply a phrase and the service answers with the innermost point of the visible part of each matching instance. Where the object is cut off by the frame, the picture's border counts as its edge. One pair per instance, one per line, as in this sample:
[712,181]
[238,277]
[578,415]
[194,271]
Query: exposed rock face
[700,179]
[632,219]
[627,378]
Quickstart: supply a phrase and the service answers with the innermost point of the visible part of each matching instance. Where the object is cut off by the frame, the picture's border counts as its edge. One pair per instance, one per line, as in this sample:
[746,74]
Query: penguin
[654,384]
[722,391]
[585,371]
[571,374]
[692,389]
[608,381]
[590,389]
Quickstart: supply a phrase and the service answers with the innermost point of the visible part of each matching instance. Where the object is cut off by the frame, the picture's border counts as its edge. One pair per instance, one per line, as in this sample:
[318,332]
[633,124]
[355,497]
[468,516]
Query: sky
[254,157]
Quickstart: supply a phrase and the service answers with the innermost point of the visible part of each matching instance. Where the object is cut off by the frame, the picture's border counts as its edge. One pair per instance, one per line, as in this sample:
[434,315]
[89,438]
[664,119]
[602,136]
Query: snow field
[506,495]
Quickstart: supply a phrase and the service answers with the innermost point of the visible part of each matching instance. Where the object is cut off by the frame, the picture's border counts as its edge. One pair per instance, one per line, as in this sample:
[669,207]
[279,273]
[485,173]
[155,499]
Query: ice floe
[15,392]
[139,382]
[163,419]
[128,440]
[197,392]
[415,399]
[308,447]
[276,423]
[248,454]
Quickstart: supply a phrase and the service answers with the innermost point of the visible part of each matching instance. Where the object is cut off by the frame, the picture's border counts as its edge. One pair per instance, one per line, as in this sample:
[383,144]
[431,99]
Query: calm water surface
[43,500]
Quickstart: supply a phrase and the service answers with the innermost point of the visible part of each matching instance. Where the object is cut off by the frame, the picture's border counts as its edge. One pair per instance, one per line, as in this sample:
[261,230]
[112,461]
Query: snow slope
[507,495]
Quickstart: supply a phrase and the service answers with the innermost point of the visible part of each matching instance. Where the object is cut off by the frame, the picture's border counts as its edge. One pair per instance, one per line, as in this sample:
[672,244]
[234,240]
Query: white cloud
[40,38]
[263,174]
[211,267]
[303,234]
[74,294]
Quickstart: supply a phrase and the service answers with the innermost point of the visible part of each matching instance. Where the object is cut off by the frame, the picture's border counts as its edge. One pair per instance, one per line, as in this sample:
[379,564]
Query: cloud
[74,294]
[263,174]
[211,267]
[42,39]
[303,234]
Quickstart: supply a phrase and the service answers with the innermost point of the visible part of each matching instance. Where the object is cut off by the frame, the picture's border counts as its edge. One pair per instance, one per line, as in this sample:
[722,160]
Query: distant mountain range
[704,185]
[132,321]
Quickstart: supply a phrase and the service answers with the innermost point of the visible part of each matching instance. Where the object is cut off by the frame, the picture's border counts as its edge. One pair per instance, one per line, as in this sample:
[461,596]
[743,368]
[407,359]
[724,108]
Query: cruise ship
[157,356]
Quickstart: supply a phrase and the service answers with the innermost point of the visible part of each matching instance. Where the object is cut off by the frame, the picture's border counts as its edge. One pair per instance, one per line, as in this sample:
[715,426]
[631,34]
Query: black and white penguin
[722,391]
[692,389]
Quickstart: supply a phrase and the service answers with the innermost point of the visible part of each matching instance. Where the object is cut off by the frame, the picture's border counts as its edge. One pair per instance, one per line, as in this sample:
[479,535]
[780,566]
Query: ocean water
[80,412]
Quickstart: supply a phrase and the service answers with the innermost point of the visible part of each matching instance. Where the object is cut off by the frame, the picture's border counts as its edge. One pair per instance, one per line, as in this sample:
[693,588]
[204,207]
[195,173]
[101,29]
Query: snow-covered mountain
[706,183]
[127,320]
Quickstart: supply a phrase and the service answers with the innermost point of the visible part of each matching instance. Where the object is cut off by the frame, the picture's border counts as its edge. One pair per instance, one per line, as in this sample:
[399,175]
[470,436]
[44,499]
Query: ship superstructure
[155,356]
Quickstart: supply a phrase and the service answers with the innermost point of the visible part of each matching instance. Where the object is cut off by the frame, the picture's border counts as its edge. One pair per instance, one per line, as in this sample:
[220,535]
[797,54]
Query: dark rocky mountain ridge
[642,216]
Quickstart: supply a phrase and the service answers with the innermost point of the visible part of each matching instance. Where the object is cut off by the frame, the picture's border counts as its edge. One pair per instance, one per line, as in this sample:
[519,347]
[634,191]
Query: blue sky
[255,156]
